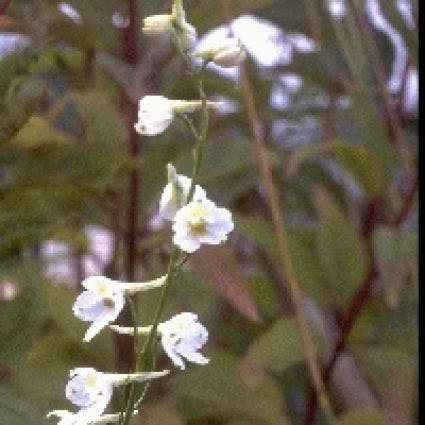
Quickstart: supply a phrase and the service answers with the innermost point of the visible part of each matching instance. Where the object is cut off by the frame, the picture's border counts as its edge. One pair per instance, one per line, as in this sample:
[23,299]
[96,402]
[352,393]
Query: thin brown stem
[278,223]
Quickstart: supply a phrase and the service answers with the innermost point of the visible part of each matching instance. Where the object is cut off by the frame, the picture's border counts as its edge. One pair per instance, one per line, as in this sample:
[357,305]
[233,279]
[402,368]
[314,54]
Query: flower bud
[157,24]
[226,53]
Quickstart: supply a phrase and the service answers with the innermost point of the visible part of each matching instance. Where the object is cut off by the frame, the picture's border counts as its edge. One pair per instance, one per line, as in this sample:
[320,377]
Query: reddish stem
[125,354]
[4,6]
[363,294]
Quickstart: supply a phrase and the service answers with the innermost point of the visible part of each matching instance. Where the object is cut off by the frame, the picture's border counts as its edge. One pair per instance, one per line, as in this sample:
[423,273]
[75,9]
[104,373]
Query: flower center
[197,220]
[91,381]
[102,288]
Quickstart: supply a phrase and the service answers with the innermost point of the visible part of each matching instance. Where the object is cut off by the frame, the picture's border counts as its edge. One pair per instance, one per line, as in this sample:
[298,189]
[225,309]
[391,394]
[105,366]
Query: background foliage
[346,176]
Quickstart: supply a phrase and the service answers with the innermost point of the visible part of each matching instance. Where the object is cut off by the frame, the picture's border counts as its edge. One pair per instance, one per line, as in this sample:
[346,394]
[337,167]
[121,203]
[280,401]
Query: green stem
[148,352]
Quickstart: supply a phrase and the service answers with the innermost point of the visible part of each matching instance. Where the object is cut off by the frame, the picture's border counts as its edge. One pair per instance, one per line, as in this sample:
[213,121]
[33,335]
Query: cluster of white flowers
[196,220]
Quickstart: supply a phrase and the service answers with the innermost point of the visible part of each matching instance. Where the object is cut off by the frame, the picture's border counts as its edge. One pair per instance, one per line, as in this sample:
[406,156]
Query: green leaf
[307,265]
[354,158]
[228,168]
[218,389]
[22,317]
[361,163]
[278,348]
[340,249]
[396,254]
[16,411]
[102,122]
[37,131]
[362,417]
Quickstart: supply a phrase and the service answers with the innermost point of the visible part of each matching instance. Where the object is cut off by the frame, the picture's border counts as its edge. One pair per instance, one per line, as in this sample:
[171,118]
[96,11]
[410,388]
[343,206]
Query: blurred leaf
[37,131]
[309,270]
[228,168]
[362,417]
[265,295]
[42,375]
[354,158]
[15,411]
[277,348]
[362,164]
[219,390]
[396,253]
[21,317]
[340,249]
[102,122]
[258,230]
[218,266]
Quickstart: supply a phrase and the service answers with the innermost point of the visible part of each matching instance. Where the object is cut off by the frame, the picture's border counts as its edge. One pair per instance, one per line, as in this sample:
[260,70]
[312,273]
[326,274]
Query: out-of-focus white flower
[156,113]
[201,222]
[227,53]
[182,337]
[103,300]
[175,193]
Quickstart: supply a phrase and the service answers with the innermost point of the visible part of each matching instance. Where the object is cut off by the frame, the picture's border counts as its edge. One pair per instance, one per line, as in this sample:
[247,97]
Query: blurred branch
[4,6]
[279,226]
[407,204]
[358,303]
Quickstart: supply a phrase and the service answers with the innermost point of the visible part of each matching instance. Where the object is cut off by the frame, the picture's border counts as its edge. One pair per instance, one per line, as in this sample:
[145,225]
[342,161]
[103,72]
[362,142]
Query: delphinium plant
[195,219]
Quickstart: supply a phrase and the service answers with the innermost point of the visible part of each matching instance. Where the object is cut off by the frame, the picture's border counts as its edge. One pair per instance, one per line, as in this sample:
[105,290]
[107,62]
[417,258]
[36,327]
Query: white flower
[181,337]
[201,222]
[103,300]
[227,53]
[92,391]
[175,194]
[69,418]
[156,113]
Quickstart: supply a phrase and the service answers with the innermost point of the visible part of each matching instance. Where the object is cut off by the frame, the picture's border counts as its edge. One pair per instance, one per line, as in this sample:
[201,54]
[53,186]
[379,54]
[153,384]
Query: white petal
[175,358]
[195,357]
[87,306]
[101,322]
[187,244]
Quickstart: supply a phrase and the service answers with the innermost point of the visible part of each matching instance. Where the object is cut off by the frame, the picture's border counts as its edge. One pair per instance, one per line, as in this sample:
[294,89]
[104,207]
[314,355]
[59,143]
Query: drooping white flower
[227,52]
[175,194]
[103,300]
[182,337]
[201,222]
[69,418]
[91,391]
[156,113]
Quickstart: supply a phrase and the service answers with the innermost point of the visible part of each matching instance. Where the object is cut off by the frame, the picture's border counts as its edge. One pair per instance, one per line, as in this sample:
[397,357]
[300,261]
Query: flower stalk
[196,220]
